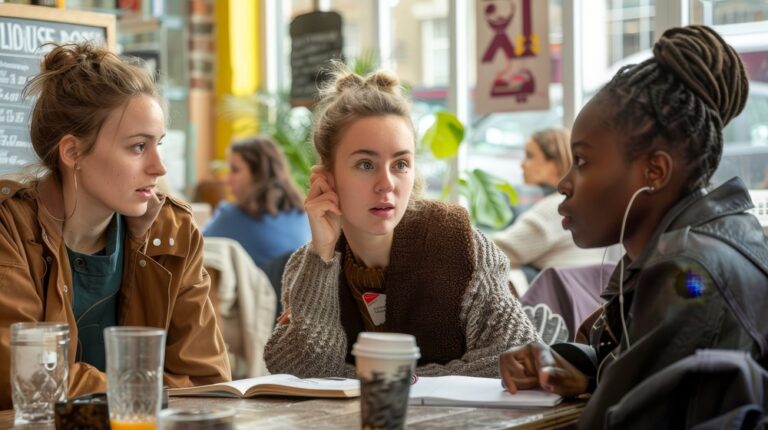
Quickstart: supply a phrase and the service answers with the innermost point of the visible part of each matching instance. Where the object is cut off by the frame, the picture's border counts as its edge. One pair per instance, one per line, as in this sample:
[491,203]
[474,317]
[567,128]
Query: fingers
[323,204]
[553,379]
[563,378]
[543,355]
[319,172]
[518,369]
[536,365]
[321,191]
[318,186]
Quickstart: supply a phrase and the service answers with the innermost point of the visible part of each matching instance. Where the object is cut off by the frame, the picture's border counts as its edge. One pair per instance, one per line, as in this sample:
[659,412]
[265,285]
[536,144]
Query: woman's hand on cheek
[322,206]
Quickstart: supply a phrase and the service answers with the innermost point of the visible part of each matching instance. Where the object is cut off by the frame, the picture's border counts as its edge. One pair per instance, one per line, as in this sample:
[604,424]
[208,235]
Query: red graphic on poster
[508,82]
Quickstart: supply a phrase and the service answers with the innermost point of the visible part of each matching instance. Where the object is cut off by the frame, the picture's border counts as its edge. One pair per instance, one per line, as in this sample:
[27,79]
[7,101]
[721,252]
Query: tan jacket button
[143,263]
[156,242]
[65,289]
[6,190]
[171,242]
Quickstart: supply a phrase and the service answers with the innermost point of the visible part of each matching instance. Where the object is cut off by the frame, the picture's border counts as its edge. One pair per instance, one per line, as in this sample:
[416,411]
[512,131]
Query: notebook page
[478,392]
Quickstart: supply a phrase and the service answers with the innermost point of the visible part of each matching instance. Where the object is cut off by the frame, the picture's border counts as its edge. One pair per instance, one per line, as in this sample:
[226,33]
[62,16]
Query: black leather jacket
[702,282]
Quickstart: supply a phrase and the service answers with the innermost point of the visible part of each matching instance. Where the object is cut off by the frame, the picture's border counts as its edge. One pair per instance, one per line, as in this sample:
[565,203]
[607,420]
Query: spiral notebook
[476,392]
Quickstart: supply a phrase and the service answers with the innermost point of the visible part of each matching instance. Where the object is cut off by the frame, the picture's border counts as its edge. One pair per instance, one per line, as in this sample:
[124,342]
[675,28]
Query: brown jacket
[164,285]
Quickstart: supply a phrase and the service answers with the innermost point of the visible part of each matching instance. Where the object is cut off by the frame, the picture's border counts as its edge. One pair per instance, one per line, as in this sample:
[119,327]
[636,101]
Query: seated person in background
[91,243]
[537,239]
[381,261]
[695,273]
[268,219]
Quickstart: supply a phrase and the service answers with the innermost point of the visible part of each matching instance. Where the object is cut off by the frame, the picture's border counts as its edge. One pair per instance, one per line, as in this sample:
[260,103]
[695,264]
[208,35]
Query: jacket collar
[51,199]
[695,209]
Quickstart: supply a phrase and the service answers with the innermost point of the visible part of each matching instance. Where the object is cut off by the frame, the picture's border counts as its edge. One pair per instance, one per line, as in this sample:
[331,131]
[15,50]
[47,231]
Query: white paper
[475,392]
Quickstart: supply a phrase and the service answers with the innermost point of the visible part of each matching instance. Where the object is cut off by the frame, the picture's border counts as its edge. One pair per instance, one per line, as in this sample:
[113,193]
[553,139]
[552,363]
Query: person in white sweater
[537,238]
[380,260]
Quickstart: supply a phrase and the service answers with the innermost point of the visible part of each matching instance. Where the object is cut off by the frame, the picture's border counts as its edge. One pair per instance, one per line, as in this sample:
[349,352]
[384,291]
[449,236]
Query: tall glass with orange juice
[120,425]
[134,376]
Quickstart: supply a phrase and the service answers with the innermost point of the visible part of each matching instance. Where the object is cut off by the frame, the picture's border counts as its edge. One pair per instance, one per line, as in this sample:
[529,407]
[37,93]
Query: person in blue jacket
[268,217]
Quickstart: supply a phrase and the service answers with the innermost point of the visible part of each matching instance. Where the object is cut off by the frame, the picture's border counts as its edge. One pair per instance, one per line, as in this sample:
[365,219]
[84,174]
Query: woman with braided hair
[696,265]
[381,261]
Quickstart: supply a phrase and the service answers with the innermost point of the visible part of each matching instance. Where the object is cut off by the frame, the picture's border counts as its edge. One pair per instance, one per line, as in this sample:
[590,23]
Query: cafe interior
[484,81]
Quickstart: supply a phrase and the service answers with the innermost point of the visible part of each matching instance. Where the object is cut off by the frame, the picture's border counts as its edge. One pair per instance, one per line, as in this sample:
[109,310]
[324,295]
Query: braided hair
[690,89]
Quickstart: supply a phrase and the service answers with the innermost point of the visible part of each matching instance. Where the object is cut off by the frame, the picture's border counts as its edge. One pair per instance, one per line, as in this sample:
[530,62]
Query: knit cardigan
[314,342]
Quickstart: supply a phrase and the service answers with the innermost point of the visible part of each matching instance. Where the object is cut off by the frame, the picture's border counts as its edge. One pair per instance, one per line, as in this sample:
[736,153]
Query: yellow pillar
[237,60]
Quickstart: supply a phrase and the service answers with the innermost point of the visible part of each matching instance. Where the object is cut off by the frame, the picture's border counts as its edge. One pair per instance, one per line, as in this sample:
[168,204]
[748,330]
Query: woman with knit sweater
[381,261]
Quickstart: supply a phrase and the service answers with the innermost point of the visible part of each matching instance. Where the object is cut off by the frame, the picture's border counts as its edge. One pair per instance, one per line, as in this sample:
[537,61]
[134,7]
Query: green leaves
[445,136]
[365,63]
[488,197]
[272,114]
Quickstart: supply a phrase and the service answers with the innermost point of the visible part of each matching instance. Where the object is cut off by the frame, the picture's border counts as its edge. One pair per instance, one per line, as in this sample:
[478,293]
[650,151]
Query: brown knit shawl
[430,265]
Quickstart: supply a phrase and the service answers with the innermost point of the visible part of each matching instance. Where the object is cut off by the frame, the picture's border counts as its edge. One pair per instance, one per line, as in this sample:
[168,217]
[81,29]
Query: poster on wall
[513,65]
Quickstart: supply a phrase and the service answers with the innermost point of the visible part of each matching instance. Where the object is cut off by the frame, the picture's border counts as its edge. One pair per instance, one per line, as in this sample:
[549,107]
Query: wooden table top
[319,414]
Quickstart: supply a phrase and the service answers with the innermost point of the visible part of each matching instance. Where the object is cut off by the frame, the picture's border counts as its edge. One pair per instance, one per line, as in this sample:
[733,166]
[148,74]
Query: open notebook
[276,385]
[475,392]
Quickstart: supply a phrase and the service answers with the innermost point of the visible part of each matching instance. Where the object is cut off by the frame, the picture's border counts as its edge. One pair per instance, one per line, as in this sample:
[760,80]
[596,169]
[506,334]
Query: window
[496,141]
[434,49]
[629,27]
[714,13]
[743,24]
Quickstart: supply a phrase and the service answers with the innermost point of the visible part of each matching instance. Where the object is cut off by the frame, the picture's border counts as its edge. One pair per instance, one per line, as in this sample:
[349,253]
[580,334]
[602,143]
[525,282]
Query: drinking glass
[134,376]
[39,369]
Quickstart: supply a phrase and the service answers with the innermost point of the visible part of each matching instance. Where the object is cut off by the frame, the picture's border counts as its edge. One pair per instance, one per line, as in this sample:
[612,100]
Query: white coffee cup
[385,364]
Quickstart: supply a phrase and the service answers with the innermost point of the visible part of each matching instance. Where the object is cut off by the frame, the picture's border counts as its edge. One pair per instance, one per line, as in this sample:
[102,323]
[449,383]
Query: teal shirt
[97,279]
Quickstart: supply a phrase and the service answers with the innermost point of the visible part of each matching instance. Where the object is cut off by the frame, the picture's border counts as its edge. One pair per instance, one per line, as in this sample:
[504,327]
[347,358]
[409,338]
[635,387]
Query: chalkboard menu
[23,29]
[315,39]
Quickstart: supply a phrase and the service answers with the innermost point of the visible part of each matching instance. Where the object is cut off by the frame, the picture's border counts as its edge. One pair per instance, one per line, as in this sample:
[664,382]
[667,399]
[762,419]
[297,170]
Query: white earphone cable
[621,264]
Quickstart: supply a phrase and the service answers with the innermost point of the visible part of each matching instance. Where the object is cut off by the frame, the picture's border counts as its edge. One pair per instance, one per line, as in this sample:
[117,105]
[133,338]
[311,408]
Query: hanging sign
[513,65]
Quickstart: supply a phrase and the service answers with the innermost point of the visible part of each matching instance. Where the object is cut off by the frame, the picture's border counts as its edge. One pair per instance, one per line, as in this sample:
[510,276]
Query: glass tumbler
[134,376]
[39,369]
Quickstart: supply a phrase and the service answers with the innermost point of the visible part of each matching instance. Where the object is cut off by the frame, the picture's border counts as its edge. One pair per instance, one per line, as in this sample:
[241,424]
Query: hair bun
[348,81]
[383,81]
[64,57]
[708,66]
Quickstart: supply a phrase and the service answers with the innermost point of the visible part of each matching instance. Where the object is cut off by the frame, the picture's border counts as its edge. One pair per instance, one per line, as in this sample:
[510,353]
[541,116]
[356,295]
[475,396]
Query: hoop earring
[74,177]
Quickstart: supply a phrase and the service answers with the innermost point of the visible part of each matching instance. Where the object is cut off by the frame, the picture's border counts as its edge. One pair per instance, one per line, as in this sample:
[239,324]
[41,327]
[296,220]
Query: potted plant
[488,197]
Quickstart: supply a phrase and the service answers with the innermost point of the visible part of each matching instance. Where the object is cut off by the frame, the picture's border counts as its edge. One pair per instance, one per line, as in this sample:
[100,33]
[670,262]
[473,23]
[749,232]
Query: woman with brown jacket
[91,243]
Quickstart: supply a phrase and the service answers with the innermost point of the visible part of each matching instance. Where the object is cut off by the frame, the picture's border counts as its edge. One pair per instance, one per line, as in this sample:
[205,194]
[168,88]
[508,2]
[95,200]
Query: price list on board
[21,49]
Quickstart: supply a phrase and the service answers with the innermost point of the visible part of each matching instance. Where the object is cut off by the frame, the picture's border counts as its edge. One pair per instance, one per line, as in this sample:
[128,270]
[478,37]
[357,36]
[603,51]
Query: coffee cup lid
[386,345]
